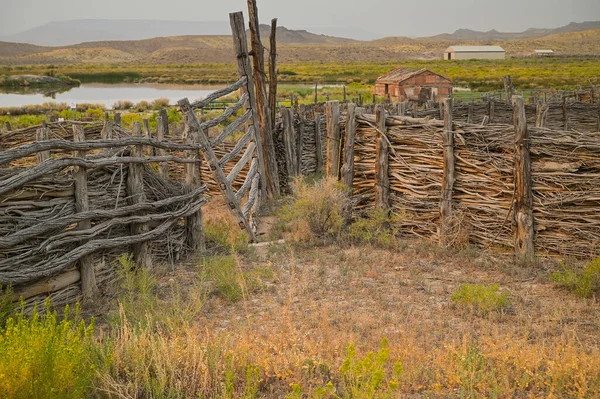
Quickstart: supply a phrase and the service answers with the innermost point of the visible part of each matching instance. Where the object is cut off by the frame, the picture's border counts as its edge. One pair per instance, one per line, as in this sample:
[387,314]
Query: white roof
[544,51]
[475,49]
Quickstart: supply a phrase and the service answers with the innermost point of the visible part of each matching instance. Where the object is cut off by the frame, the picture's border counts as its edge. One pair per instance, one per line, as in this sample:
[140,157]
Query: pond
[107,94]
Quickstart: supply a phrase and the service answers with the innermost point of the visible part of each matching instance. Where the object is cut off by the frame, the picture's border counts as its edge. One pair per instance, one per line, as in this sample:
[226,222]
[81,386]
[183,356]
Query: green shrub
[583,282]
[223,271]
[480,298]
[367,377]
[42,357]
[316,209]
[377,228]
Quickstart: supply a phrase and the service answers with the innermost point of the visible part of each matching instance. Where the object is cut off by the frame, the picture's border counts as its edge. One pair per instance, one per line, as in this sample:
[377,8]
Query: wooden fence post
[164,117]
[448,177]
[318,145]
[8,126]
[42,135]
[89,287]
[163,167]
[469,113]
[333,138]
[148,134]
[415,110]
[316,94]
[118,118]
[508,88]
[564,112]
[523,213]
[491,111]
[273,73]
[107,129]
[290,141]
[135,190]
[382,182]
[541,113]
[194,229]
[300,137]
[269,177]
[348,165]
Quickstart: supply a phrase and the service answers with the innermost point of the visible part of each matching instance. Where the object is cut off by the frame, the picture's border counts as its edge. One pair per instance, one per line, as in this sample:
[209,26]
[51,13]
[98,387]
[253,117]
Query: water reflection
[105,94]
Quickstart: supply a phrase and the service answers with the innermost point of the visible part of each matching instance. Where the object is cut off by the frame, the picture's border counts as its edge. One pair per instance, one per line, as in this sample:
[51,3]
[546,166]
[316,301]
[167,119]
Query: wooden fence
[493,185]
[75,196]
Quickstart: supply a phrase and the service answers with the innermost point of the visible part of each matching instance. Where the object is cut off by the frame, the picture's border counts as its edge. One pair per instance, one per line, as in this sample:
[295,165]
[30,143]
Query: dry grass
[292,337]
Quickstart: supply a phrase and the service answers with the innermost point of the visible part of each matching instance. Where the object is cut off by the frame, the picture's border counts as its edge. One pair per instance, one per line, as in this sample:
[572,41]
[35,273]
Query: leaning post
[448,177]
[333,138]
[382,183]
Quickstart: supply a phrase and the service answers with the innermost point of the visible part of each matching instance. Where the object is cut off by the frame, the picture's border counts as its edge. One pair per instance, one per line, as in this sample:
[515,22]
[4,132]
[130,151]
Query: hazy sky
[383,17]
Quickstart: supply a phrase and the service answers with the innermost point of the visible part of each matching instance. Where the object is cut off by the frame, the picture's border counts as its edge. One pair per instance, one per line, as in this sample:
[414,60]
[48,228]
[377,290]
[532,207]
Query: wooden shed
[413,85]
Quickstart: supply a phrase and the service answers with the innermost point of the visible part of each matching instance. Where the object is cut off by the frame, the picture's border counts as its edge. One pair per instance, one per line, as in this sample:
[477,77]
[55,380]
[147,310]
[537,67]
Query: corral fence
[522,186]
[76,196]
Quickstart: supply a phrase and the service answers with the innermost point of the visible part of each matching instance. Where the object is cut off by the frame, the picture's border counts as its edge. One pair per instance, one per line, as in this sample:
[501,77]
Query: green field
[480,75]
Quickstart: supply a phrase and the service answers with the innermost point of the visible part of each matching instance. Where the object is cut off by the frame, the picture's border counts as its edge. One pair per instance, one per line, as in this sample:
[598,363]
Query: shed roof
[401,74]
[544,51]
[475,49]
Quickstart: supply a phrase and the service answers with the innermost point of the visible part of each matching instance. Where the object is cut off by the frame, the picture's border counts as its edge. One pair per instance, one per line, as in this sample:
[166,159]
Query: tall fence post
[89,287]
[348,165]
[318,144]
[107,128]
[271,178]
[240,46]
[273,73]
[333,138]
[564,113]
[300,137]
[382,183]
[135,190]
[523,214]
[194,230]
[491,111]
[117,118]
[448,176]
[290,141]
[42,135]
[163,167]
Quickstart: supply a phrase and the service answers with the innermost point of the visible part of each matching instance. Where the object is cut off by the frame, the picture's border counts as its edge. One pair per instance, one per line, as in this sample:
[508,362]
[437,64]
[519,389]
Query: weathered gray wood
[248,181]
[491,111]
[273,73]
[194,229]
[117,118]
[42,135]
[242,162]
[163,167]
[239,146]
[289,141]
[24,150]
[415,110]
[508,88]
[218,173]
[523,208]
[300,139]
[316,94]
[135,192]
[164,117]
[348,164]
[89,287]
[541,114]
[470,113]
[52,284]
[448,176]
[270,176]
[382,178]
[243,81]
[318,144]
[8,126]
[232,127]
[564,113]
[107,130]
[333,138]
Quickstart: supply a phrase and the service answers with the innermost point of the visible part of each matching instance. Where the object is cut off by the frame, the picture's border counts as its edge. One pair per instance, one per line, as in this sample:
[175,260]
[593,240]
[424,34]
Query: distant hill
[293,46]
[65,33]
[494,35]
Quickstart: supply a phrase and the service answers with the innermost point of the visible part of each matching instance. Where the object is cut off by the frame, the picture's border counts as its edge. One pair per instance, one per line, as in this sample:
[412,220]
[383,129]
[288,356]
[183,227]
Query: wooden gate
[243,211]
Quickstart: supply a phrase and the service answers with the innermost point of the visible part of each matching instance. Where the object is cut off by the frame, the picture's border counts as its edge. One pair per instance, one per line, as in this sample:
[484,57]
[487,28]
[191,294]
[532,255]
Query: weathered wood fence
[75,196]
[512,186]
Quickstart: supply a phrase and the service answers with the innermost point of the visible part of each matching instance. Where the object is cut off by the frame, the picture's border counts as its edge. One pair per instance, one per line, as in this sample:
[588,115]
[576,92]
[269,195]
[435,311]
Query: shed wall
[478,56]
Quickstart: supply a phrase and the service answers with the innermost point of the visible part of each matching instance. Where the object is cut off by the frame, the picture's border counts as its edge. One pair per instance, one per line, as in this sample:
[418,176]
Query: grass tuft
[481,298]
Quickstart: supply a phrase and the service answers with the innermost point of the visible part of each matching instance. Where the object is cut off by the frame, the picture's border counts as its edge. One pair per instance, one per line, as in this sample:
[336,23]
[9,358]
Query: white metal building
[543,53]
[474,53]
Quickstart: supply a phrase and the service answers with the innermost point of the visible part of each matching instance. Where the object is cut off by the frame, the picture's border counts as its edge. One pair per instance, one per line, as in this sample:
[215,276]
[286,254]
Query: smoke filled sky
[379,17]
